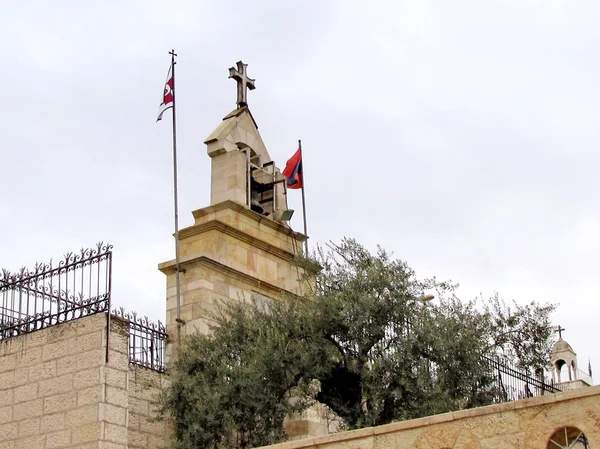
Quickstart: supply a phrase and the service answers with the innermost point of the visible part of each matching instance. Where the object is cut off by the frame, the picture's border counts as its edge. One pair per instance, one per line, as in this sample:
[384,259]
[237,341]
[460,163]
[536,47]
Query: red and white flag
[168,95]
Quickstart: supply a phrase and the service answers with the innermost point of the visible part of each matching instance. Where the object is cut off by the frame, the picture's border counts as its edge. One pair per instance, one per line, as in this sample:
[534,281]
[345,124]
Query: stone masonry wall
[58,391]
[51,386]
[144,431]
[524,424]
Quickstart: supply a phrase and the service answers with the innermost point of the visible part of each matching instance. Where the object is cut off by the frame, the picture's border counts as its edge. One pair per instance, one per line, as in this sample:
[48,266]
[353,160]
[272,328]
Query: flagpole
[303,199]
[177,282]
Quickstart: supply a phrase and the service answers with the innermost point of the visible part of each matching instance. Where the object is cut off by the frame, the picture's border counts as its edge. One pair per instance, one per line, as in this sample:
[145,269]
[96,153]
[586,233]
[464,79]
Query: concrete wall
[525,424]
[58,391]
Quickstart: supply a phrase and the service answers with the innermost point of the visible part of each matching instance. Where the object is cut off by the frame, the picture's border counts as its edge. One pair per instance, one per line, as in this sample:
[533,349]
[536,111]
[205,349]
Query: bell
[256,207]
[255,204]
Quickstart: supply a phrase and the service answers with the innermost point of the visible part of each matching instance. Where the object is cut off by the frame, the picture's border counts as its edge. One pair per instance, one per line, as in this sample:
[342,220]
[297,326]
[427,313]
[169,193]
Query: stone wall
[230,253]
[524,424]
[144,387]
[51,386]
[57,389]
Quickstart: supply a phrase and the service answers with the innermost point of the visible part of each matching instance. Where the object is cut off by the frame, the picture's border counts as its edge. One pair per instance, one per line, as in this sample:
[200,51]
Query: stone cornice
[169,268]
[243,210]
[216,225]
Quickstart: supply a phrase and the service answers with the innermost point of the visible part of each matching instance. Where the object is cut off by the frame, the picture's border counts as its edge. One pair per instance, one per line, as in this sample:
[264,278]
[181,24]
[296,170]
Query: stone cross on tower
[559,330]
[243,83]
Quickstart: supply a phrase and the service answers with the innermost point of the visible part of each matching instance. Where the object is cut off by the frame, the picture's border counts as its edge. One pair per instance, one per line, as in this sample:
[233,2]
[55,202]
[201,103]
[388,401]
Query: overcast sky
[461,135]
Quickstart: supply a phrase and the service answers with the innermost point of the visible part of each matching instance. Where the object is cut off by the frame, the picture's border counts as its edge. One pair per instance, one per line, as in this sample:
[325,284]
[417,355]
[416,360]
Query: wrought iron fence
[512,384]
[79,285]
[147,340]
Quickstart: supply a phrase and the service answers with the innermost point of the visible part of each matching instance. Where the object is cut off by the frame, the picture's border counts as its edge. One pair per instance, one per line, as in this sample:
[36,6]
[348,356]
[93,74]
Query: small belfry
[242,170]
[563,360]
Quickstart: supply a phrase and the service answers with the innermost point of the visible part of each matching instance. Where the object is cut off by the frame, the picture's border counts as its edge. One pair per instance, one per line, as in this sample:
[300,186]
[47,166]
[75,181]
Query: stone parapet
[524,424]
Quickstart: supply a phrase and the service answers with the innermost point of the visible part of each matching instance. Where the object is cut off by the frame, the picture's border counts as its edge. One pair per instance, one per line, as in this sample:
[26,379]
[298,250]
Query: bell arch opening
[562,370]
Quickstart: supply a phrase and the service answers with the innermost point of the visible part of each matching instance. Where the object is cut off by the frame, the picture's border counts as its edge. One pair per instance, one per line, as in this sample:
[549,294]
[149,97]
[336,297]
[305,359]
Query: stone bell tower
[240,246]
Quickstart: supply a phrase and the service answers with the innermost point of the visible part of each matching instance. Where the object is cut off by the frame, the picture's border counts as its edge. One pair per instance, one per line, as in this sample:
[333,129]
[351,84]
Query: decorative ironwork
[147,340]
[511,384]
[50,294]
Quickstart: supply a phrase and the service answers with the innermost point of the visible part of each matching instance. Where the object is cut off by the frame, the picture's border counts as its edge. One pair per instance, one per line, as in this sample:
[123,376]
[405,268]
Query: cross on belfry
[243,83]
[559,330]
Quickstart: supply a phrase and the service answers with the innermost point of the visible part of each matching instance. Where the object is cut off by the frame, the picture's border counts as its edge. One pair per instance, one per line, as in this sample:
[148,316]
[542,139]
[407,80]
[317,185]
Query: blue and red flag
[293,171]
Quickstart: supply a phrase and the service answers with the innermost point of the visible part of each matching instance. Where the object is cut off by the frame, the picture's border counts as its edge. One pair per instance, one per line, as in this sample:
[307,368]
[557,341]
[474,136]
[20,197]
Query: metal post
[303,200]
[178,287]
[248,179]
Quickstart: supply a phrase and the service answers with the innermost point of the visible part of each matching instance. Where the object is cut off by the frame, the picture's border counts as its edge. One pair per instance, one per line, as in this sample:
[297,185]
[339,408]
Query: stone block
[118,360]
[86,378]
[81,415]
[9,431]
[133,420]
[66,365]
[45,370]
[55,350]
[6,414]
[8,362]
[146,384]
[157,441]
[90,395]
[57,385]
[113,414]
[7,444]
[11,379]
[56,440]
[29,427]
[119,343]
[63,332]
[139,406]
[25,392]
[116,378]
[6,397]
[86,433]
[199,284]
[149,426]
[29,409]
[199,325]
[90,359]
[90,323]
[52,422]
[60,402]
[117,396]
[502,442]
[30,356]
[86,342]
[36,339]
[137,439]
[115,434]
[32,442]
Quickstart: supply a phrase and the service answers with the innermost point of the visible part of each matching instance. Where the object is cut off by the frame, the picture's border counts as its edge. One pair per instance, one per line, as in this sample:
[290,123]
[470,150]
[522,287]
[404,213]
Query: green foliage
[378,351]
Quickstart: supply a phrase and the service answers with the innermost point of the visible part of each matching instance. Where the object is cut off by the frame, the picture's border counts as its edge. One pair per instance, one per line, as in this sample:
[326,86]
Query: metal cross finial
[559,330]
[243,83]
